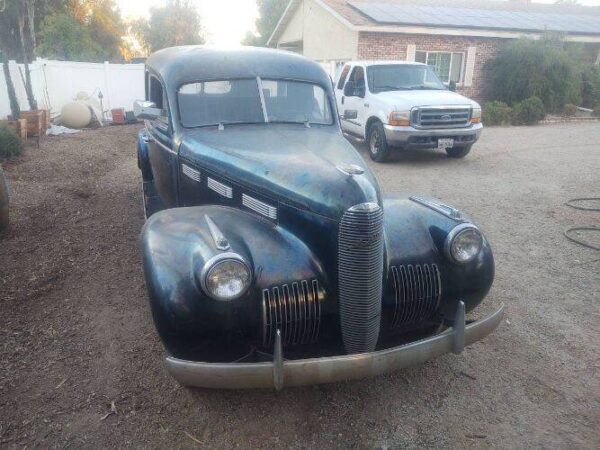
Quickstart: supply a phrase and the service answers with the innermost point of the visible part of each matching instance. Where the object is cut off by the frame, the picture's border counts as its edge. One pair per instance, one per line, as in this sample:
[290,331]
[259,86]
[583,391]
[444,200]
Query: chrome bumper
[331,369]
[406,136]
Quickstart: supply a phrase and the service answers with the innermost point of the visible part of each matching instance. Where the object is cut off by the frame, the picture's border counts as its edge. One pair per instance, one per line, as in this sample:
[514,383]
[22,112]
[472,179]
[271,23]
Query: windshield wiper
[390,88]
[425,88]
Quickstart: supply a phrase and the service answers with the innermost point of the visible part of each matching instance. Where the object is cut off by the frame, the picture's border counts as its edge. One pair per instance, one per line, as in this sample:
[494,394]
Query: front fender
[175,245]
[414,234]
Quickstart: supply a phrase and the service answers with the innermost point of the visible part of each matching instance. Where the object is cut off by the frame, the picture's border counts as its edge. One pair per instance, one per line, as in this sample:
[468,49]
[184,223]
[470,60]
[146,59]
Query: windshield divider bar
[262,99]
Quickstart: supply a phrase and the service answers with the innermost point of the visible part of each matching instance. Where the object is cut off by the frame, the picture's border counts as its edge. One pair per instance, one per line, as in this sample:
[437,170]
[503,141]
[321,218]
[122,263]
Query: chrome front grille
[295,310]
[418,290]
[441,117]
[360,271]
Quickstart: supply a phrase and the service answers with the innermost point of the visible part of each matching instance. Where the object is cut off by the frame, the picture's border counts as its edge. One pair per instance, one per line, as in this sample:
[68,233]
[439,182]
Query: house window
[448,66]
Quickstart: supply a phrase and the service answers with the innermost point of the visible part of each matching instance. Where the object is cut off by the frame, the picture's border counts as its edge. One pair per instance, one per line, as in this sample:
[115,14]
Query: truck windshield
[402,77]
[239,101]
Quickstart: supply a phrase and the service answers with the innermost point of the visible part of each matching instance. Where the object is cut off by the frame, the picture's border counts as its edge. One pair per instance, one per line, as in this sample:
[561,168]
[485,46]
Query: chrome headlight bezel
[213,263]
[451,239]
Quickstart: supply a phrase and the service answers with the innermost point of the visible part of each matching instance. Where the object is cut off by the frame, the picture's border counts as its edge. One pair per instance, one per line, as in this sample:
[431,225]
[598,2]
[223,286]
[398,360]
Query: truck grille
[418,291]
[295,310]
[441,117]
[360,268]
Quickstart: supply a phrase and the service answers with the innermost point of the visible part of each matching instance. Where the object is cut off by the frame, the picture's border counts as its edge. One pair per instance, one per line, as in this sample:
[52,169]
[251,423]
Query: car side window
[343,76]
[358,77]
[157,95]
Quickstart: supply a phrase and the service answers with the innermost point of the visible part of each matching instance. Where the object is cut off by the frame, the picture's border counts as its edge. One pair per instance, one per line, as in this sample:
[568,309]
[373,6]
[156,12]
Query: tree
[176,23]
[103,19]
[270,11]
[15,110]
[26,21]
[65,38]
[543,68]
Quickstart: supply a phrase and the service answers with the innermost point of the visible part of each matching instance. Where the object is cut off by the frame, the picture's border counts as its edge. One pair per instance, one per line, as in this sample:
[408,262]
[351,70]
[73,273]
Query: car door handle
[366,105]
[342,99]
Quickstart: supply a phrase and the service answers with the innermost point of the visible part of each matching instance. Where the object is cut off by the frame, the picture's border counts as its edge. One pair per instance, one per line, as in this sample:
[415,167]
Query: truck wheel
[378,147]
[458,152]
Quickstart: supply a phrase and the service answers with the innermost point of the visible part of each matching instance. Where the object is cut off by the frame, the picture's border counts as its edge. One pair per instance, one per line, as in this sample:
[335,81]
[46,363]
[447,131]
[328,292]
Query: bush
[497,113]
[570,109]
[528,112]
[596,112]
[590,87]
[540,68]
[10,144]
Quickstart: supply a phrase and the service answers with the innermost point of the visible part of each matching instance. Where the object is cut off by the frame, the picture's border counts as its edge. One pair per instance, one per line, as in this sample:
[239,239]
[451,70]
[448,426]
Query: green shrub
[497,113]
[10,144]
[590,87]
[536,68]
[570,110]
[528,112]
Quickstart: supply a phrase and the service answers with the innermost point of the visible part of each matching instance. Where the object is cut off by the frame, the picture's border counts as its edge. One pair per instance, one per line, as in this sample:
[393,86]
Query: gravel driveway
[76,333]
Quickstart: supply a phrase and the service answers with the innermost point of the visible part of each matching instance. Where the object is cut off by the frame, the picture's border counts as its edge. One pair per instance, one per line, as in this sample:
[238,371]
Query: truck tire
[458,152]
[4,218]
[379,149]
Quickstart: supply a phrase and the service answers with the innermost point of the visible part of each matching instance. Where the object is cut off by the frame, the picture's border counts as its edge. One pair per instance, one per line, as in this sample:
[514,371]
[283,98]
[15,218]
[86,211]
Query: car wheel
[377,143]
[458,152]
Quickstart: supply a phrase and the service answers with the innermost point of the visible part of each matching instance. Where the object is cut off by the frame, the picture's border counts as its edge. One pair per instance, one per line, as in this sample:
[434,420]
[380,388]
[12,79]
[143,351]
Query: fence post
[107,94]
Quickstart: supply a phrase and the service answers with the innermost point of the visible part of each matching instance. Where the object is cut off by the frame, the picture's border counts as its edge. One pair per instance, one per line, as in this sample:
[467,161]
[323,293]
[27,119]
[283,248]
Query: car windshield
[239,101]
[402,77]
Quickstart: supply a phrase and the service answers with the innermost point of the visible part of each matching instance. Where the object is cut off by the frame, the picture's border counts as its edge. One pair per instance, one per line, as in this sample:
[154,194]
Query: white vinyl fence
[56,83]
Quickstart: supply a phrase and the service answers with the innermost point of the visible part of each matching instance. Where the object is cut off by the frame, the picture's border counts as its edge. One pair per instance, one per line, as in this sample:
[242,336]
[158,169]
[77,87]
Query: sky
[226,22]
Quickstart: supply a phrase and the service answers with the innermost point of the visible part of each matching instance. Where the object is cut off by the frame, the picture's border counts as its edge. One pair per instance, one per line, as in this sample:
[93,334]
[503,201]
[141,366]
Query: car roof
[180,65]
[378,62]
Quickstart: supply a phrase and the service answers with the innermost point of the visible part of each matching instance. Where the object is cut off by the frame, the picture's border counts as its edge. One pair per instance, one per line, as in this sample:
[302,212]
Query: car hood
[290,163]
[405,100]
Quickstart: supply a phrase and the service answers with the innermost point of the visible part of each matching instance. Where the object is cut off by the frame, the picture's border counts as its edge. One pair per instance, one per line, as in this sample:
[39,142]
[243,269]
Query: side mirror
[350,114]
[349,89]
[452,86]
[146,110]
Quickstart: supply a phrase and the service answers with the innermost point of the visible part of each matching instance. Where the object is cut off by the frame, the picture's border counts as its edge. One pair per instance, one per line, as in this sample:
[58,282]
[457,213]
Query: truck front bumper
[280,372]
[409,137]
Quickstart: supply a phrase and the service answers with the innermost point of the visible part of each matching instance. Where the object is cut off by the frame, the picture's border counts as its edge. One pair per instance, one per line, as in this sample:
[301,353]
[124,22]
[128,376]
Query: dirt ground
[76,333]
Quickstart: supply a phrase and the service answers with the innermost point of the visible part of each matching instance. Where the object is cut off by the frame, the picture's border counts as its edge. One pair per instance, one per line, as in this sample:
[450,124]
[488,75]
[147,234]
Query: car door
[339,92]
[352,109]
[163,157]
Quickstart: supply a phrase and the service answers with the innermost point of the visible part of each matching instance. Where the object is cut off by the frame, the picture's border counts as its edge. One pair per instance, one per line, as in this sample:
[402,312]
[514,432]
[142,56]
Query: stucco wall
[324,37]
[396,45]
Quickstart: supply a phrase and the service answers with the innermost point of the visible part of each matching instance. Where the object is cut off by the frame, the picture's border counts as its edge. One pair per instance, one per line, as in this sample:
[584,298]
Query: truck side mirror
[349,89]
[350,114]
[146,110]
[452,86]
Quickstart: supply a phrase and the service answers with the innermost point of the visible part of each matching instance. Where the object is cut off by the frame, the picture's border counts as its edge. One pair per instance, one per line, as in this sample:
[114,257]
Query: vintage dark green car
[270,257]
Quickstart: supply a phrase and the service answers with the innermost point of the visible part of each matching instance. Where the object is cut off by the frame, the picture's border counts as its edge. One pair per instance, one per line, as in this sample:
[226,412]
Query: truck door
[351,105]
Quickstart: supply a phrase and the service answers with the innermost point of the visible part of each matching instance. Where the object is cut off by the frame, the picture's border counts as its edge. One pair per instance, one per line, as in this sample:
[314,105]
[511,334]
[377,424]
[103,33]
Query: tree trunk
[28,87]
[10,88]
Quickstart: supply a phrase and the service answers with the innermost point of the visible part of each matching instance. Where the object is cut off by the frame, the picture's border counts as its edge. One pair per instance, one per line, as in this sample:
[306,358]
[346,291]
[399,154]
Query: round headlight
[463,243]
[225,277]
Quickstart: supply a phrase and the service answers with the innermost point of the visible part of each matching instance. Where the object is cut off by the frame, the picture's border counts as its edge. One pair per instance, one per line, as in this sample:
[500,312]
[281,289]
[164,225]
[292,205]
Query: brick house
[456,38]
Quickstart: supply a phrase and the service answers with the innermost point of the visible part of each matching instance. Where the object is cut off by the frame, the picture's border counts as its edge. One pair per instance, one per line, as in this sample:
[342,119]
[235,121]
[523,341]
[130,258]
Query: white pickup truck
[405,105]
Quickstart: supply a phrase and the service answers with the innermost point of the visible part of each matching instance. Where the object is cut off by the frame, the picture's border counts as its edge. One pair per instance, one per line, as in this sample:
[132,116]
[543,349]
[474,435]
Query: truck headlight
[399,118]
[463,243]
[476,115]
[225,277]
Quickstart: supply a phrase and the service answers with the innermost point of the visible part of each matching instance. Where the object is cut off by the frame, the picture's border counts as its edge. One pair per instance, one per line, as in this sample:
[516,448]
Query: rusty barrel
[3,201]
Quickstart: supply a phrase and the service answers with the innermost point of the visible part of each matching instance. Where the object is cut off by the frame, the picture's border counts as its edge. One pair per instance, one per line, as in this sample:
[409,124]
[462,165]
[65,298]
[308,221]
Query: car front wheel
[378,147]
[458,152]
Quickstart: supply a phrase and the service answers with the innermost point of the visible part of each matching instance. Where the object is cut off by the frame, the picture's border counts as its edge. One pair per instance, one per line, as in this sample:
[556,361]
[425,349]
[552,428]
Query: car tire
[458,152]
[379,150]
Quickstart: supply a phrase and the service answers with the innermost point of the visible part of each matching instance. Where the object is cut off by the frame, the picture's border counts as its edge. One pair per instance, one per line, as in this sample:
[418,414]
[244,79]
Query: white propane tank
[76,114]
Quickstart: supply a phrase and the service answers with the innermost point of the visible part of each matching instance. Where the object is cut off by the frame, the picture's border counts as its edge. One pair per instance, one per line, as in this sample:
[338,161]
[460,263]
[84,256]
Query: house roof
[371,15]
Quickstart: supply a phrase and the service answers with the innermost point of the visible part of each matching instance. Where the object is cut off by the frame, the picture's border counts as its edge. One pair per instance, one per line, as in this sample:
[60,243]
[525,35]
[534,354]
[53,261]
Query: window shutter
[410,52]
[470,66]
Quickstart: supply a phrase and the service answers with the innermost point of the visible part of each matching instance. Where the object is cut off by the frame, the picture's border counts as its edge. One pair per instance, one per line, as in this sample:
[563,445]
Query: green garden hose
[568,231]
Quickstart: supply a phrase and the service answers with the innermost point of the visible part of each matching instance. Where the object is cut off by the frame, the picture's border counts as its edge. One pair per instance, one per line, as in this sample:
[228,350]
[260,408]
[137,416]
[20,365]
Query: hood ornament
[351,169]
